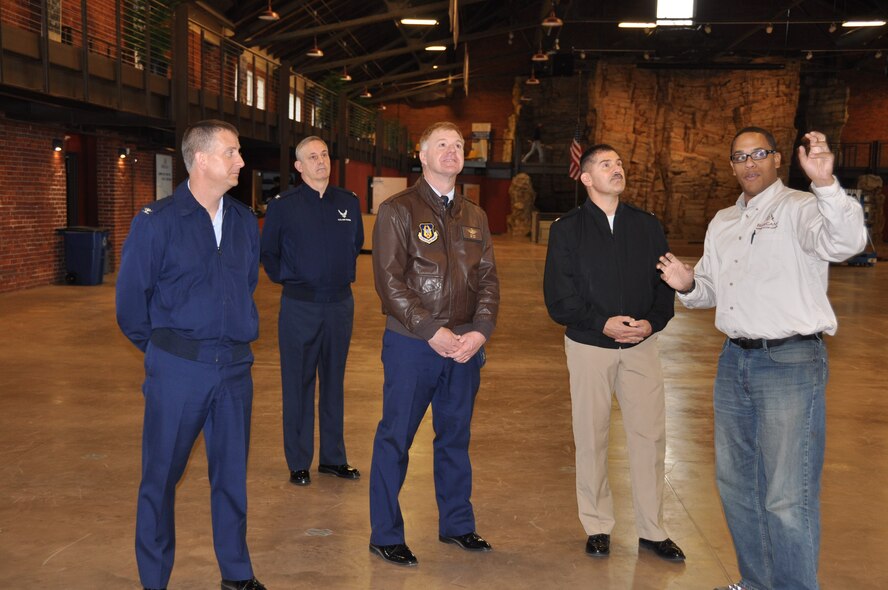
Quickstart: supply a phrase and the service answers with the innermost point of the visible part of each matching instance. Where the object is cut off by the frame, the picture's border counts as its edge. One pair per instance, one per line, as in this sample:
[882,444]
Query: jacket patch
[472,233]
[427,233]
[343,215]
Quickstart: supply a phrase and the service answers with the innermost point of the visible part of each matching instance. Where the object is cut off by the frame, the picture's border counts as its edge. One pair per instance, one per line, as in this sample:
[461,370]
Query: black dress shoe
[300,478]
[469,541]
[396,554]
[251,584]
[344,471]
[598,545]
[665,549]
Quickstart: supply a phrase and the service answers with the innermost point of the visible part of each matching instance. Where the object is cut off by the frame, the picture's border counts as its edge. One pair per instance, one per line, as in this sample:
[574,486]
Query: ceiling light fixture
[533,80]
[878,54]
[539,55]
[769,29]
[57,145]
[315,51]
[345,76]
[269,14]
[707,28]
[647,56]
[809,55]
[863,23]
[123,152]
[637,25]
[366,93]
[419,22]
[832,27]
[436,48]
[552,21]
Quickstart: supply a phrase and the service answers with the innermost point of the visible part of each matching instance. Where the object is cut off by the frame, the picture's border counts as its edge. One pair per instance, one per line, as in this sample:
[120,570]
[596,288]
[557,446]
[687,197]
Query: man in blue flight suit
[185,298]
[312,236]
[436,277]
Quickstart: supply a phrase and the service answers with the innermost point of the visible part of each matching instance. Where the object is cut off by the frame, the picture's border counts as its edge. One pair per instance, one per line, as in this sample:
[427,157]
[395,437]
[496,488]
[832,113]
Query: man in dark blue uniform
[185,298]
[436,277]
[312,236]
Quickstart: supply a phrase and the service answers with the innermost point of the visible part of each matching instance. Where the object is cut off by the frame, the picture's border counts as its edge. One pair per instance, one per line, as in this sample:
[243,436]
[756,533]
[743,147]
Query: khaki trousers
[634,374]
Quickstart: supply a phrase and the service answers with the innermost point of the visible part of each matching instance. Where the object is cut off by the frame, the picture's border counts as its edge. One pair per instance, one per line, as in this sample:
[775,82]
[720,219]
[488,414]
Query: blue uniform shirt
[172,274]
[312,242]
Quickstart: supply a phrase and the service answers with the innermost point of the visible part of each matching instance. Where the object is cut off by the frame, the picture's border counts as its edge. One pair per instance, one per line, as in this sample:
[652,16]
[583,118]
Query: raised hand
[817,161]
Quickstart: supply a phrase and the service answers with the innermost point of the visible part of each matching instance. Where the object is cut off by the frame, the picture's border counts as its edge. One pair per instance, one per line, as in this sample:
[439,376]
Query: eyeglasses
[757,154]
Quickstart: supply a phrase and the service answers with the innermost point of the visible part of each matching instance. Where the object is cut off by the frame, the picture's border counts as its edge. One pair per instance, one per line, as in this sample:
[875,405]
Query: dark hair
[593,151]
[200,136]
[768,135]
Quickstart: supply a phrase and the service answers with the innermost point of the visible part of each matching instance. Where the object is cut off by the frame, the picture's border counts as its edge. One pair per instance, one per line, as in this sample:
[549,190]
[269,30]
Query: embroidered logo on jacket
[147,211]
[427,233]
[768,223]
[343,215]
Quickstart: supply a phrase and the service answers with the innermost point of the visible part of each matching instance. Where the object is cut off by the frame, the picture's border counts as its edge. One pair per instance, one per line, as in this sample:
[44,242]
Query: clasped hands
[459,347]
[627,330]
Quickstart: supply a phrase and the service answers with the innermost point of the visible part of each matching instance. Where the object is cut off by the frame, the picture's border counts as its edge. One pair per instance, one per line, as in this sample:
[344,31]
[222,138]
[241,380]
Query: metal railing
[870,157]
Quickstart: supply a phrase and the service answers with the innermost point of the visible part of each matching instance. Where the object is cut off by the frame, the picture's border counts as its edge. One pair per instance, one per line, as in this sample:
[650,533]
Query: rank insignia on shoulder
[147,211]
[427,233]
[278,196]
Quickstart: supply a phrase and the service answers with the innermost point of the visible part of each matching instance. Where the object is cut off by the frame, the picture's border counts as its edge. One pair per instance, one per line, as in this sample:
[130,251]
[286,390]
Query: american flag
[575,152]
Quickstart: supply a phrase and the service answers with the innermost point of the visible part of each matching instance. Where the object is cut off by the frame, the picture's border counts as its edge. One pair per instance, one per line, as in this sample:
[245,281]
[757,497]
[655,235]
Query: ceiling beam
[360,22]
[413,46]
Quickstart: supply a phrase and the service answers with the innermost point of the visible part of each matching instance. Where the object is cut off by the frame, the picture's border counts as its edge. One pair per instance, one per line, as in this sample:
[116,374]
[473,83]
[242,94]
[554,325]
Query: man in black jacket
[601,283]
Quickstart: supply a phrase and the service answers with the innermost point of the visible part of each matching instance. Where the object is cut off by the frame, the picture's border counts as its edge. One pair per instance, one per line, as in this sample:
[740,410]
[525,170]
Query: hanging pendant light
[315,51]
[269,14]
[345,77]
[366,93]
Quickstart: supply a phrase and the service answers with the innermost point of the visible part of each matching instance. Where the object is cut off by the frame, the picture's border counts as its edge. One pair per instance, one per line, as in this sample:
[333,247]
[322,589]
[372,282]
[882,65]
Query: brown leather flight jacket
[433,266]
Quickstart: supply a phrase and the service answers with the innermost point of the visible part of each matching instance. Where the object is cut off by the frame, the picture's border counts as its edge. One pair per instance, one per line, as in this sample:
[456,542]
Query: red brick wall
[489,102]
[32,205]
[867,108]
[33,200]
[124,187]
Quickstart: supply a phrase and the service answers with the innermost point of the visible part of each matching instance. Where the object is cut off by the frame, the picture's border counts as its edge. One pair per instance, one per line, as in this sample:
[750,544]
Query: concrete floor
[70,427]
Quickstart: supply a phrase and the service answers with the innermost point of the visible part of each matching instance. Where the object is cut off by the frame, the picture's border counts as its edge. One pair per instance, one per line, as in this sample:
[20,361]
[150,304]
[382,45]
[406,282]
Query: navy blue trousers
[314,340]
[416,376]
[183,397]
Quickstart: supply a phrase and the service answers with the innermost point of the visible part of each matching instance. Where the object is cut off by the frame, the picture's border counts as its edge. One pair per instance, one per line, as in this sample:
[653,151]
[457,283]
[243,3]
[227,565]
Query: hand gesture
[675,273]
[817,161]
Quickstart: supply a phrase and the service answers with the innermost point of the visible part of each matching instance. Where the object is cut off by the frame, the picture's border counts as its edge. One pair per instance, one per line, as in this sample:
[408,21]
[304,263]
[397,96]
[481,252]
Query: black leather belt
[204,351]
[753,343]
[301,293]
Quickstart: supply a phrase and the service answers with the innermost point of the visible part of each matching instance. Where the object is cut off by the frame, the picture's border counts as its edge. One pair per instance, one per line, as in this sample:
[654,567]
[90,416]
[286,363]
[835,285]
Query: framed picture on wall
[163,176]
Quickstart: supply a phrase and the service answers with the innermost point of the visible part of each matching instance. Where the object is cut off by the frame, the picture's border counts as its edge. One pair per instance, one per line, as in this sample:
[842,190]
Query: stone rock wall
[521,196]
[673,129]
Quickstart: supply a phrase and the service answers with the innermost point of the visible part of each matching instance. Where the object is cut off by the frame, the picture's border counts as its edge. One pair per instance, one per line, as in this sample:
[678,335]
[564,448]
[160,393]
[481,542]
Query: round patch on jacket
[427,233]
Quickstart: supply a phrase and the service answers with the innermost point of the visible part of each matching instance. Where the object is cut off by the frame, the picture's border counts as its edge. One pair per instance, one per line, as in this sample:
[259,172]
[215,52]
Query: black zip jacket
[593,274]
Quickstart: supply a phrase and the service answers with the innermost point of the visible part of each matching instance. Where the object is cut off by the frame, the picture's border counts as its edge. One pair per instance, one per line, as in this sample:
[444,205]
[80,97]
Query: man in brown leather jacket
[436,277]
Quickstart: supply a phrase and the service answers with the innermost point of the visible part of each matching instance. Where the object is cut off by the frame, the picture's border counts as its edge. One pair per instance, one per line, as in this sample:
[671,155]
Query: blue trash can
[84,254]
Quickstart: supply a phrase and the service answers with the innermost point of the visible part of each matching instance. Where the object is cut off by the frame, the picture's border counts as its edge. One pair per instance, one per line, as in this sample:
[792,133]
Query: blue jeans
[770,425]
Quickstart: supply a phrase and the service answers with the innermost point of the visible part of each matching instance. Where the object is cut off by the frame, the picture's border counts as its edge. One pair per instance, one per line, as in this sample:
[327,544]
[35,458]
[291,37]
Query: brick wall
[124,186]
[867,107]
[32,205]
[33,200]
[489,101]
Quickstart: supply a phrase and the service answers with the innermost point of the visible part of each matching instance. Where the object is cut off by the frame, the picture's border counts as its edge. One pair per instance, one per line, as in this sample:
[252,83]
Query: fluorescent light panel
[863,23]
[635,25]
[675,13]
[419,22]
[436,48]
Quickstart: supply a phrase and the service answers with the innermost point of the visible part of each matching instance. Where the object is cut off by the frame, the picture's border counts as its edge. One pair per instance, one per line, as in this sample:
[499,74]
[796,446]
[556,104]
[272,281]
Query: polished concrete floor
[70,427]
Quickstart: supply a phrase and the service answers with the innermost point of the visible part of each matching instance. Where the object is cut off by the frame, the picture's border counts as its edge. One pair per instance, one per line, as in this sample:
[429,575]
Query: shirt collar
[761,198]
